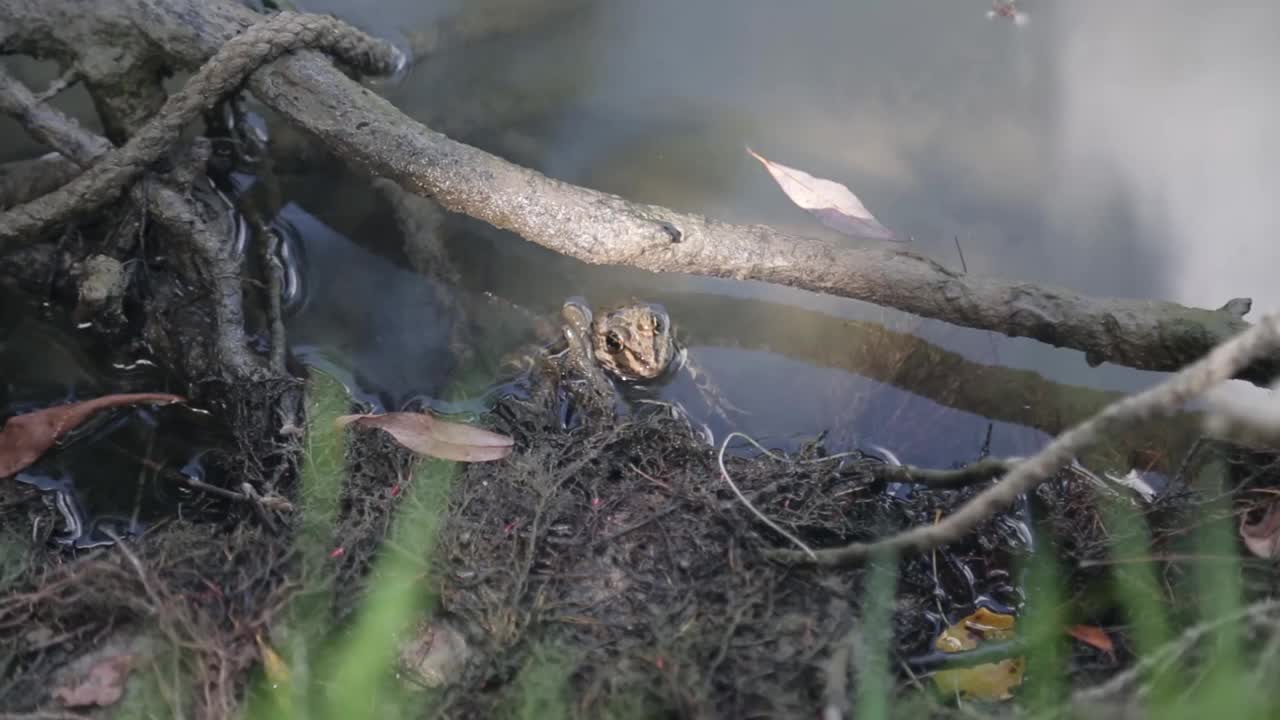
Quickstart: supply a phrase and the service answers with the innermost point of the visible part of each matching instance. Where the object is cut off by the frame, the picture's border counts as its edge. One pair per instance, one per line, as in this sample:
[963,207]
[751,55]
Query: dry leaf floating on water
[427,435]
[832,203]
[24,438]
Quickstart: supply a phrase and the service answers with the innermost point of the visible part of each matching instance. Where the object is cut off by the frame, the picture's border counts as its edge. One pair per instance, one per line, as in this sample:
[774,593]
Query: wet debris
[24,438]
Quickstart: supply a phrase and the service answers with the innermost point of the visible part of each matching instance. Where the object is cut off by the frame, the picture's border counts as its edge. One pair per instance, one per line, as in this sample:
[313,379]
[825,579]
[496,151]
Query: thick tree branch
[596,227]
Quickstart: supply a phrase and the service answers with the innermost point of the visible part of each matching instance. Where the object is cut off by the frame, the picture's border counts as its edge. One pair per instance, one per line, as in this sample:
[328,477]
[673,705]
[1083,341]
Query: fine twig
[964,266]
[60,83]
[137,568]
[1221,364]
[743,498]
[48,125]
[894,472]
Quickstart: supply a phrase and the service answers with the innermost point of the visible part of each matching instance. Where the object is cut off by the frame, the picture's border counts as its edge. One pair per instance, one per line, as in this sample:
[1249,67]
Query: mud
[617,543]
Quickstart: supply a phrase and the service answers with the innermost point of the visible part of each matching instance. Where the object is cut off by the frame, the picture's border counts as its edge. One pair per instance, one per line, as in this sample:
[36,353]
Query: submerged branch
[923,368]
[1221,364]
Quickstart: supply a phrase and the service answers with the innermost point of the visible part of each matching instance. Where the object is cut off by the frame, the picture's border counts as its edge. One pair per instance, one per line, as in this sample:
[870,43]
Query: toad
[633,343]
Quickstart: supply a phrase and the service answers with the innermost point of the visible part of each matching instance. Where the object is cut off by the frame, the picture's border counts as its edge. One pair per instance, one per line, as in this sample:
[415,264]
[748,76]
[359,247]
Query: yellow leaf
[276,668]
[992,681]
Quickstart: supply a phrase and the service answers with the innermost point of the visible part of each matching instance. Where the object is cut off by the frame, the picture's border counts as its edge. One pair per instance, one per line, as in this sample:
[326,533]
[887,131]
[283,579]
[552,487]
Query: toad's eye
[658,324]
[612,342]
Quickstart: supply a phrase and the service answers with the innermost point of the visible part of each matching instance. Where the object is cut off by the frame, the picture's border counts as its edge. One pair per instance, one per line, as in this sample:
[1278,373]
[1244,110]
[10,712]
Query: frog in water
[633,343]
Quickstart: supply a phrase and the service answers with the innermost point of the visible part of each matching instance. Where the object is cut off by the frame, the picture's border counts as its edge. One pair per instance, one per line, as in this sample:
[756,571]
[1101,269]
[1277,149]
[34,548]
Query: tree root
[224,72]
[171,211]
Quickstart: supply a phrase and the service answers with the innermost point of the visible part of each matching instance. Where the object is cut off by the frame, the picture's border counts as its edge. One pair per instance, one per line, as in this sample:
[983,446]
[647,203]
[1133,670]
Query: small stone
[435,655]
[102,285]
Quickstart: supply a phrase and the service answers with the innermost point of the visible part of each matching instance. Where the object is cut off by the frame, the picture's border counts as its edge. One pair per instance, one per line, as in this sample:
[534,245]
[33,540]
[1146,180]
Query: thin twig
[137,567]
[1219,365]
[725,474]
[1179,477]
[894,472]
[60,83]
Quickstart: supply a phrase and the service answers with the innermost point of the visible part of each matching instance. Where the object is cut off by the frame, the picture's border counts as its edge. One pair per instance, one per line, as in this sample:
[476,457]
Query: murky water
[1113,148]
[119,471]
[951,127]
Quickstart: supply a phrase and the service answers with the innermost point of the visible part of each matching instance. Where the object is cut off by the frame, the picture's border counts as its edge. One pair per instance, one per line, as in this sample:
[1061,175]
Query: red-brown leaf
[427,435]
[24,438]
[1094,636]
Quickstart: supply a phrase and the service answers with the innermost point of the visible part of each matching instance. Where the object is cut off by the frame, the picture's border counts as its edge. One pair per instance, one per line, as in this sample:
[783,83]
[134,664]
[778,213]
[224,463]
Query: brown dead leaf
[104,685]
[24,438]
[832,203]
[1263,537]
[427,435]
[1094,636]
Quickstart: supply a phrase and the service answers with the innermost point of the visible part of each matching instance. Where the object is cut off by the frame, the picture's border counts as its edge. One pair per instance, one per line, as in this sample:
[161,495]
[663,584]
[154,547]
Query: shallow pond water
[1013,142]
[1089,149]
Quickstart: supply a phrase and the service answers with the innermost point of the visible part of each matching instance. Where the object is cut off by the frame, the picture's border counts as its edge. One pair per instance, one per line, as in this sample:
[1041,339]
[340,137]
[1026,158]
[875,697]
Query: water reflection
[946,124]
[113,472]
